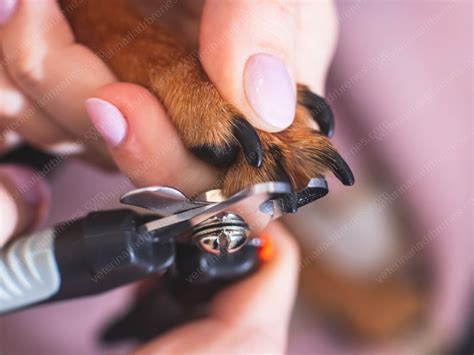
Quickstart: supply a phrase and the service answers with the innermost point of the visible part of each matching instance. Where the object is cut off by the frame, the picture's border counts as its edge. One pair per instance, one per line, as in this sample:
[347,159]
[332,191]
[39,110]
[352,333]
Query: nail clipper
[108,249]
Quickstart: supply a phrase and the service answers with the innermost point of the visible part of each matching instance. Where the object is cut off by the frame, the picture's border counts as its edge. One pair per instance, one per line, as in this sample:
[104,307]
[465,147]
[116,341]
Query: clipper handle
[183,293]
[87,256]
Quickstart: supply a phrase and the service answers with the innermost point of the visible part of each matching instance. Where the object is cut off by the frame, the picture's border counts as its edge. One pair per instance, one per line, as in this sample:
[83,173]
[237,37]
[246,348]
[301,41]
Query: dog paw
[296,155]
[218,134]
[209,126]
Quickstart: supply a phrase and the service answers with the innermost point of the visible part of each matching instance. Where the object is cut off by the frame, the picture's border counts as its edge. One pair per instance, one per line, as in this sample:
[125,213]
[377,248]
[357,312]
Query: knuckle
[27,70]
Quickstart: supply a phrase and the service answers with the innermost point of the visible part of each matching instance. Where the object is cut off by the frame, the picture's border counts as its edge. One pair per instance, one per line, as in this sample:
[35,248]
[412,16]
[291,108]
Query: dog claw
[340,168]
[289,202]
[317,188]
[218,156]
[249,141]
[320,110]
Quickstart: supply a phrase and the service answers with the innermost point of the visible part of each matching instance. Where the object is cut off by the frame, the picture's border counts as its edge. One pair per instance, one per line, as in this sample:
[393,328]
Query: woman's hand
[45,78]
[251,316]
[24,200]
[254,53]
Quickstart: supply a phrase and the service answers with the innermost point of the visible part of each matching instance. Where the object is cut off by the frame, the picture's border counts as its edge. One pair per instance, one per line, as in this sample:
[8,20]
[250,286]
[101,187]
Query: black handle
[87,256]
[105,250]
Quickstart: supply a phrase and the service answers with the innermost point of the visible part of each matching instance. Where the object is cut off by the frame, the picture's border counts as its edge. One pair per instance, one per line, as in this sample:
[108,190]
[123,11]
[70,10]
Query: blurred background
[387,264]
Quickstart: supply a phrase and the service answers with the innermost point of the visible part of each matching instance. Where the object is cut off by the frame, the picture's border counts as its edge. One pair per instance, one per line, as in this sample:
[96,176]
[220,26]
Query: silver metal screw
[223,233]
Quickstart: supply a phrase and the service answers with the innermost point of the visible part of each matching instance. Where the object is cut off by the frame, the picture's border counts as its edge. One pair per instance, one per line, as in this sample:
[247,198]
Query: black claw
[317,188]
[218,156]
[289,202]
[340,168]
[320,110]
[249,141]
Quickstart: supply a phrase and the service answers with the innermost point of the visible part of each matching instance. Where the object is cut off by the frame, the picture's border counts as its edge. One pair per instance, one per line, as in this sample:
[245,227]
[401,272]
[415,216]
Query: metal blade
[250,204]
[165,201]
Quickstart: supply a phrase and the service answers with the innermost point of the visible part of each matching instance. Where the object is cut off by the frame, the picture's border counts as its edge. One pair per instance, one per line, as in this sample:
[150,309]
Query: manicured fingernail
[7,8]
[26,184]
[108,120]
[270,90]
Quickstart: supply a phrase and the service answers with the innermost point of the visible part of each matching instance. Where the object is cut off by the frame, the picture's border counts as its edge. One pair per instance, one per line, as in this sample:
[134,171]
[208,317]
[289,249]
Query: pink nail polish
[108,120]
[270,90]
[7,8]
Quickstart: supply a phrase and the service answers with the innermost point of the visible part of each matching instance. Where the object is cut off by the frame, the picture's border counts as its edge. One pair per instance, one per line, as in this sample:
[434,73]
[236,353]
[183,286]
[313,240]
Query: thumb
[247,49]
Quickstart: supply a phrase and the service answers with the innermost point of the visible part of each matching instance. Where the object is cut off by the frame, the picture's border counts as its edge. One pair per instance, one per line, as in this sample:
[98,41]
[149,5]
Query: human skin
[37,58]
[39,54]
[250,325]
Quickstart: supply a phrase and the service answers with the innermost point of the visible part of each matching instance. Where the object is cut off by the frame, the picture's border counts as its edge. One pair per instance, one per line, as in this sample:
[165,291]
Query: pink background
[406,65]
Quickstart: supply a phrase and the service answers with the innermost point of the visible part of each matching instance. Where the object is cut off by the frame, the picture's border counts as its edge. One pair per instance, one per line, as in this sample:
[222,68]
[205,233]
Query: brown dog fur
[140,50]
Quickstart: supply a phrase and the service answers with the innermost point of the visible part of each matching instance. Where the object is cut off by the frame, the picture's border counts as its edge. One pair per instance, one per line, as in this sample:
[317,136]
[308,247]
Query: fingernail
[270,90]
[108,120]
[27,185]
[7,8]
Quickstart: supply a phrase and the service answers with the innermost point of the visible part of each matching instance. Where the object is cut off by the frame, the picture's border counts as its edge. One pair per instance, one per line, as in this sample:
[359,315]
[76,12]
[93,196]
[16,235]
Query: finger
[43,60]
[143,141]
[7,8]
[248,50]
[316,41]
[24,200]
[273,287]
[251,316]
[18,114]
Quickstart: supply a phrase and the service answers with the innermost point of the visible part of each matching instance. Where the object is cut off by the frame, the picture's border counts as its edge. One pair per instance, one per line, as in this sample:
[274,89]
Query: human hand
[45,78]
[45,74]
[38,58]
[260,305]
[251,316]
[150,153]
[24,200]
[255,51]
